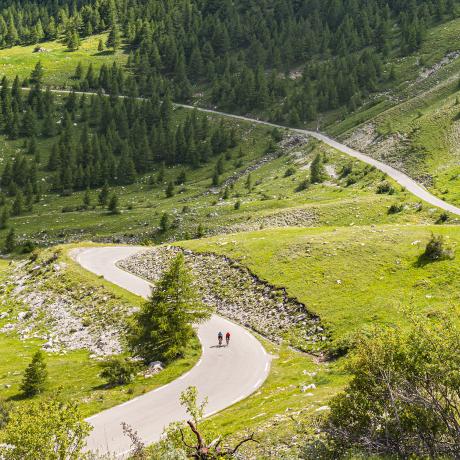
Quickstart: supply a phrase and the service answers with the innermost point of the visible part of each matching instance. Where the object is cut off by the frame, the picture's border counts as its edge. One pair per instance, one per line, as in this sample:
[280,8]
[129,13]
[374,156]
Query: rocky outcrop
[39,300]
[297,217]
[239,295]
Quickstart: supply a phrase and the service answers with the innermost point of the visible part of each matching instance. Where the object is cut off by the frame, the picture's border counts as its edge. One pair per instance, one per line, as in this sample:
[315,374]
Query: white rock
[304,388]
[322,408]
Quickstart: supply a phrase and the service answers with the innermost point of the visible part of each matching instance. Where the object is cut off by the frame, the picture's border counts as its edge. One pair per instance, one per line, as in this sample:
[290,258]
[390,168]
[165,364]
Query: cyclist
[227,338]
[219,338]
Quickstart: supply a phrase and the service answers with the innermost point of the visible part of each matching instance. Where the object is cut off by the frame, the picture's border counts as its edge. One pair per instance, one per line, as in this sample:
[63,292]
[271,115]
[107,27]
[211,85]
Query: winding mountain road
[403,179]
[224,374]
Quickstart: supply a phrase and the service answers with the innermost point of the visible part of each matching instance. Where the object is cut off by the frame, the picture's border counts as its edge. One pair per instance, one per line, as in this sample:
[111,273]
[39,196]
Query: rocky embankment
[239,295]
[40,300]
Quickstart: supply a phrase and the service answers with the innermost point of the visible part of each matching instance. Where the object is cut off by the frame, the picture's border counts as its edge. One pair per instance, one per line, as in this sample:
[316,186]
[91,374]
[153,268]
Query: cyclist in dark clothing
[220,336]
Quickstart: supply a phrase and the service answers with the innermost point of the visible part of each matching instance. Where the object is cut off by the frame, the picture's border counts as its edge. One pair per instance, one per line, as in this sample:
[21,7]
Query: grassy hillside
[414,125]
[353,278]
[270,199]
[59,63]
[74,372]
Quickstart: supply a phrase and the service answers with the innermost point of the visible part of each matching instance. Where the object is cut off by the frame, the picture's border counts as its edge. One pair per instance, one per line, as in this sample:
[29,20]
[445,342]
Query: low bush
[304,185]
[118,371]
[396,208]
[436,249]
[385,188]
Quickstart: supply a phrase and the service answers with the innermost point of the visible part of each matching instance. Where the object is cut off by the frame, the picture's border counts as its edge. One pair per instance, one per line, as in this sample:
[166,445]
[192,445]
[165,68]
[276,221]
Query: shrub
[443,218]
[27,247]
[396,208]
[304,185]
[346,170]
[237,205]
[404,395]
[118,371]
[44,429]
[385,187]
[436,249]
[290,171]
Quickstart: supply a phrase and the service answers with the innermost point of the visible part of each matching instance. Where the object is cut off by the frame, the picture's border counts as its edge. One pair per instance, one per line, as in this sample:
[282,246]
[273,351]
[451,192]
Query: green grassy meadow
[59,63]
[354,278]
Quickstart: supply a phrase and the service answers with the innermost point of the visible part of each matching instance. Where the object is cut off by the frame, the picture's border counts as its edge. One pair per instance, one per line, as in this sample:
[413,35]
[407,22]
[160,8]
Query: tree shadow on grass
[19,397]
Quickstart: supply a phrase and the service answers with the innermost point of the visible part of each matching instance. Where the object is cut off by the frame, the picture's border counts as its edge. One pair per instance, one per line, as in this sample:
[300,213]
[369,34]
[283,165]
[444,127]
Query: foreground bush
[47,429]
[404,398]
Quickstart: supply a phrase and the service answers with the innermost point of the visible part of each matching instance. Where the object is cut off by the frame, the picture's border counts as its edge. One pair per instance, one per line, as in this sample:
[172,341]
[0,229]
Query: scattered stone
[237,294]
[322,408]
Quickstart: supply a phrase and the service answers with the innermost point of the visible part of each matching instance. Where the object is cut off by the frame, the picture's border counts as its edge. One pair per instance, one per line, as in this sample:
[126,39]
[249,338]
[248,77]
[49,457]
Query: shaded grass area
[74,373]
[353,278]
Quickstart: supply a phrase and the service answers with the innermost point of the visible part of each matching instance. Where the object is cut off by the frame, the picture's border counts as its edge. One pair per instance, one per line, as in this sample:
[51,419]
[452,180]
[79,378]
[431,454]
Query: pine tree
[4,216]
[100,46]
[215,178]
[78,71]
[169,190]
[161,174]
[163,327]
[10,242]
[72,40]
[37,74]
[317,172]
[87,199]
[35,376]
[164,223]
[103,196]
[114,38]
[113,205]
[18,204]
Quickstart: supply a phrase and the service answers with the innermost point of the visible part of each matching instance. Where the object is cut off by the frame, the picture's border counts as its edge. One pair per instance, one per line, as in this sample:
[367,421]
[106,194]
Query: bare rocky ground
[394,149]
[238,295]
[296,217]
[38,300]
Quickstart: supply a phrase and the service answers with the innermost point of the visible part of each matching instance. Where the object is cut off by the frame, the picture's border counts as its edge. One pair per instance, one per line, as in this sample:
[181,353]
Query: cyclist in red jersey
[227,338]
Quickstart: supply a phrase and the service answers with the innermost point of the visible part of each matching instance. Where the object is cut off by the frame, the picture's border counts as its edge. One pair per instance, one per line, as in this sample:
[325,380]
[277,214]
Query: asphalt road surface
[224,374]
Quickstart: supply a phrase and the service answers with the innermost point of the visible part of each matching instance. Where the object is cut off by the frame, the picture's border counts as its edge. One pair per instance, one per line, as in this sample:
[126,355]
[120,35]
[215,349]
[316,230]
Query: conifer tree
[35,376]
[87,199]
[164,223]
[164,325]
[103,196]
[114,39]
[18,204]
[317,172]
[113,205]
[170,190]
[10,242]
[37,74]
[4,216]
